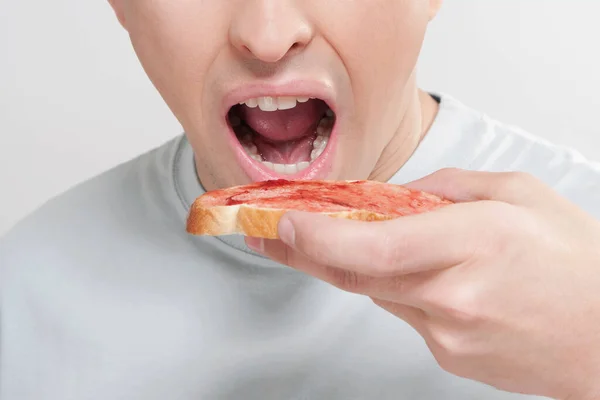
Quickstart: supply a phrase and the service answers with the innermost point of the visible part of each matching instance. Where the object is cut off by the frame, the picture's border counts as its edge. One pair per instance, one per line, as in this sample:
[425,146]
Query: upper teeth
[274,103]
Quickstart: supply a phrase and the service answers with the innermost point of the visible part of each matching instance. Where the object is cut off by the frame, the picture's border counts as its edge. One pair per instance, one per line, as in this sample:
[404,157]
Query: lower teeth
[323,133]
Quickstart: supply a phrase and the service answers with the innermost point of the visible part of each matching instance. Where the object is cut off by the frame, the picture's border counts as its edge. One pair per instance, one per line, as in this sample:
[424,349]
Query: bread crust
[254,221]
[212,221]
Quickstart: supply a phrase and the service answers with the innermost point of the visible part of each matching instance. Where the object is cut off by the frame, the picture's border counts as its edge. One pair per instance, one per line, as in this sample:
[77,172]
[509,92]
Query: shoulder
[497,146]
[93,218]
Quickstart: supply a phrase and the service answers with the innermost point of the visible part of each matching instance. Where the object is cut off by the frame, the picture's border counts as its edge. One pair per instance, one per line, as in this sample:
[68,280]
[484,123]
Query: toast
[255,209]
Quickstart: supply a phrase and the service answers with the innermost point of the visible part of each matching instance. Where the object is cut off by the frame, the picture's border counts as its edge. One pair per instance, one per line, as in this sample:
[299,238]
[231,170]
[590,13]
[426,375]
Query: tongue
[289,152]
[284,125]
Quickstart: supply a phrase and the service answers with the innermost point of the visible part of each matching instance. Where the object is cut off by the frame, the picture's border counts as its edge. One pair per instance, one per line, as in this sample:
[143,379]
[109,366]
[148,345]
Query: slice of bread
[255,209]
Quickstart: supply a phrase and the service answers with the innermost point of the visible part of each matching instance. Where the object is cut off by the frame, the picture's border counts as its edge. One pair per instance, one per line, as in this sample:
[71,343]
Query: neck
[418,116]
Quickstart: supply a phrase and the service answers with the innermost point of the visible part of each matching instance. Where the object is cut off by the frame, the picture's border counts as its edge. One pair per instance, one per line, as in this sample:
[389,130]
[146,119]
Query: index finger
[433,240]
[463,185]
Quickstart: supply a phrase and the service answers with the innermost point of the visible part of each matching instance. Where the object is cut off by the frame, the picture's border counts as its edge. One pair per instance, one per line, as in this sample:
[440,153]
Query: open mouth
[284,135]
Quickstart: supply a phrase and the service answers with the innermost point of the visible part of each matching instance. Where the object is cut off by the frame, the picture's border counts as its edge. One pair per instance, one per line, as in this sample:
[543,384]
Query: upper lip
[297,88]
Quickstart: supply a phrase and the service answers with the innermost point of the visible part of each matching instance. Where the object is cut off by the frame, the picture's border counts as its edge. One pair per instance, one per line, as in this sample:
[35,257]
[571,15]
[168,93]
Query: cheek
[379,42]
[176,42]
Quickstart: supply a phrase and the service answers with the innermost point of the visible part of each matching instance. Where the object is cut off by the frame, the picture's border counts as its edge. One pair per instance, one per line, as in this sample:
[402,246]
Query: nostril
[292,49]
[297,46]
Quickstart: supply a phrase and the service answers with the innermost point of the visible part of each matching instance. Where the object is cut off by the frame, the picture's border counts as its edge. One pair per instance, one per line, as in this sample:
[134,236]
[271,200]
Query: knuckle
[444,362]
[313,249]
[450,350]
[449,346]
[516,181]
[386,256]
[510,225]
[347,280]
[451,364]
[463,306]
[445,359]
[500,222]
[449,171]
[398,285]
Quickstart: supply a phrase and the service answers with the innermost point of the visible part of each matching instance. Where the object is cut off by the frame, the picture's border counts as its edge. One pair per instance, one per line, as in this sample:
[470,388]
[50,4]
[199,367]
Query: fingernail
[256,244]
[286,231]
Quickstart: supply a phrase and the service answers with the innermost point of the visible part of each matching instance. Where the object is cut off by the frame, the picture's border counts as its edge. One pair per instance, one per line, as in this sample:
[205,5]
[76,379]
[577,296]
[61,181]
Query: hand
[504,286]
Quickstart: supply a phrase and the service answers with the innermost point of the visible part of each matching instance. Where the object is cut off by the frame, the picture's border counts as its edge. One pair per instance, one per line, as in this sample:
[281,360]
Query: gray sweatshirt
[103,295]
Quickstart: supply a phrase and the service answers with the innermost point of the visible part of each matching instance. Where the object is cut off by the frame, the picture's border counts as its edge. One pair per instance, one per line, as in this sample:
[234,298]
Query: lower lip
[318,169]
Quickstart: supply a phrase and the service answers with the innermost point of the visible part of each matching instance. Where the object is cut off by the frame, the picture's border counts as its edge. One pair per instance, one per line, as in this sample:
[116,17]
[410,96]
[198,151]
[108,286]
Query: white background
[74,101]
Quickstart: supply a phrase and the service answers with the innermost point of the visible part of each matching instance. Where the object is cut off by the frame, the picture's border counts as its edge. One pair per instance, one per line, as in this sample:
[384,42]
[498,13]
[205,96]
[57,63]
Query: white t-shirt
[104,296]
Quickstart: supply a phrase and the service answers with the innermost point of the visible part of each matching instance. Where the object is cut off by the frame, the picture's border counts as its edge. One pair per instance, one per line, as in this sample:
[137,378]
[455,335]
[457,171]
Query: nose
[269,30]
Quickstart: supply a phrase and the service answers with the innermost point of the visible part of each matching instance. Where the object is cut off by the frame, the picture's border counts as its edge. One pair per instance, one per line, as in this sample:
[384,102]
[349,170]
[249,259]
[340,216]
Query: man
[104,296]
